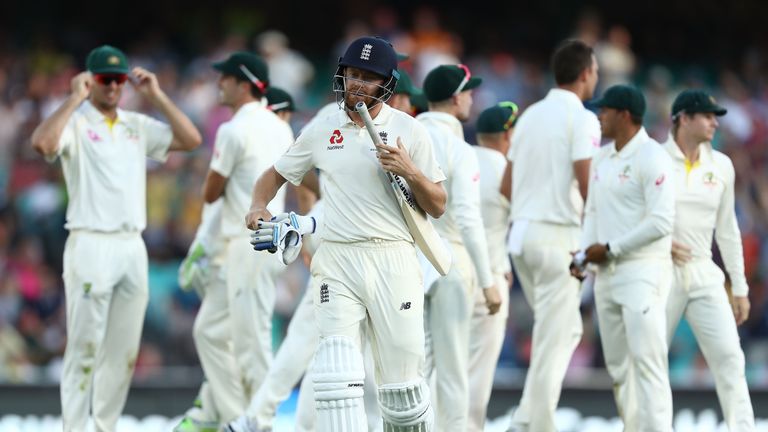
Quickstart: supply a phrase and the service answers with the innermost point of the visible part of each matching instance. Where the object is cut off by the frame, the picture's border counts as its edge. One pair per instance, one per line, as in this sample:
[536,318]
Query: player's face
[464,101]
[608,121]
[107,90]
[702,126]
[591,79]
[229,90]
[360,85]
[401,102]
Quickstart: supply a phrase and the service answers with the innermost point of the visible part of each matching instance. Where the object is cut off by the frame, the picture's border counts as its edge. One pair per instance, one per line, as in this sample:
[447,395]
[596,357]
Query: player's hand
[81,85]
[396,160]
[597,253]
[740,309]
[510,278]
[255,215]
[578,265]
[303,224]
[146,83]
[681,253]
[492,299]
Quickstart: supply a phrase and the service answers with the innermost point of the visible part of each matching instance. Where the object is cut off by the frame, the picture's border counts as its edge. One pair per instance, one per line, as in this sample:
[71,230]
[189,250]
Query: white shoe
[243,424]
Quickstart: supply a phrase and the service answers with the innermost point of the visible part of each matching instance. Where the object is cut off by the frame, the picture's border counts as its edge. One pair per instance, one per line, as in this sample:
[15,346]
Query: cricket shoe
[188,424]
[244,424]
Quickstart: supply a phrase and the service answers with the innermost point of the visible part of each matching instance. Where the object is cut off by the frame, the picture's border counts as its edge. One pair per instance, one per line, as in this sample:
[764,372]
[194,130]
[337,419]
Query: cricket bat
[419,225]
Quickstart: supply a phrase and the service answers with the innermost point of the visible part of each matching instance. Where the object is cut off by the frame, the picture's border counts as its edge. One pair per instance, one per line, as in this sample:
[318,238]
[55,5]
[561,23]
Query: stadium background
[661,47]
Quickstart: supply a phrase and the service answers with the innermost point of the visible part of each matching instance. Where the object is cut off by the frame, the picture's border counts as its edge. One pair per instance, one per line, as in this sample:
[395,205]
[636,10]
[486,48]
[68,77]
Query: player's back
[550,135]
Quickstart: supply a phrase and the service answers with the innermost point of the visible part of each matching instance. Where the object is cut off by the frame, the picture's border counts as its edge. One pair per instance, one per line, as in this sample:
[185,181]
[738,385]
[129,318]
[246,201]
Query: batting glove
[194,271]
[303,224]
[277,237]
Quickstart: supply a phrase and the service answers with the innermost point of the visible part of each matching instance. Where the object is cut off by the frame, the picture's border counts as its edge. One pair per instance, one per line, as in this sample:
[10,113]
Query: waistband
[124,234]
[369,244]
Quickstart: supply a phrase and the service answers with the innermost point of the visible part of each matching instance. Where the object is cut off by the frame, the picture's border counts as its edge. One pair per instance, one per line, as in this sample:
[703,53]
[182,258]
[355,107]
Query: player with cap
[280,103]
[486,335]
[628,224]
[103,152]
[245,147]
[404,91]
[449,299]
[550,155]
[704,179]
[366,268]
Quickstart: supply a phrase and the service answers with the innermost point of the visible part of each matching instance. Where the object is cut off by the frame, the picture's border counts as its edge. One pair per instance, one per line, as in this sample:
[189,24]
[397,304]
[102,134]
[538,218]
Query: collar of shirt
[705,151]
[446,119]
[631,147]
[250,107]
[95,116]
[565,95]
[381,118]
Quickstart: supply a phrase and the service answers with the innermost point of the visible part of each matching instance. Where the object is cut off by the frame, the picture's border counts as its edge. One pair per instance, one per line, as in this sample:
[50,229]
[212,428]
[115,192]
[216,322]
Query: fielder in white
[246,146]
[103,153]
[553,144]
[367,269]
[704,185]
[486,336]
[450,299]
[627,232]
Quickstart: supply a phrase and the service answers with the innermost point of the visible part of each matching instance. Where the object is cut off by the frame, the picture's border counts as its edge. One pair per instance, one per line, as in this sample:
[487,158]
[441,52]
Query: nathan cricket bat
[416,219]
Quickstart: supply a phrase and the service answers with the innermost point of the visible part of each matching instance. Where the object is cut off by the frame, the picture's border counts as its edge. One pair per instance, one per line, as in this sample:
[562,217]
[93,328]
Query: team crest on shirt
[709,180]
[624,174]
[131,134]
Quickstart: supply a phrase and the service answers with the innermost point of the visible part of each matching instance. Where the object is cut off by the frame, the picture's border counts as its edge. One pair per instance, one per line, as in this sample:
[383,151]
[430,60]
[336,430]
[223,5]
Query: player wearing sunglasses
[103,152]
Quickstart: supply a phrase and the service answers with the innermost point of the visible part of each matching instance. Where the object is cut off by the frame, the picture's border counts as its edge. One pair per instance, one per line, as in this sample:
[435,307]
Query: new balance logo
[324,295]
[365,54]
[405,306]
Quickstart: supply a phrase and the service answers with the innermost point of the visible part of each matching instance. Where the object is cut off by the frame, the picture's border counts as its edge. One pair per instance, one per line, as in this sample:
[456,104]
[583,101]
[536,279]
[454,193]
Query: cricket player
[366,268]
[627,232]
[703,179]
[103,152]
[550,155]
[486,333]
[246,146]
[449,299]
[281,103]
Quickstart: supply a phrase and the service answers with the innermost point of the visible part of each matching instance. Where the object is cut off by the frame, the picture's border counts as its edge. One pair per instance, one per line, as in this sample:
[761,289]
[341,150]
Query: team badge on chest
[709,180]
[624,174]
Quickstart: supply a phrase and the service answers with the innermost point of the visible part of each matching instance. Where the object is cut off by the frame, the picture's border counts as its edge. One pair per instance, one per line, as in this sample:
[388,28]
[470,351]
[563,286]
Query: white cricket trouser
[291,362]
[105,281]
[554,296]
[486,337]
[377,283]
[448,309]
[251,289]
[213,335]
[631,309]
[707,310]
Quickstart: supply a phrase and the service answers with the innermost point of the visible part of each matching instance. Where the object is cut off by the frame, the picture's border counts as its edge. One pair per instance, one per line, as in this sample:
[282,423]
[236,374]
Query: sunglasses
[465,80]
[512,117]
[108,79]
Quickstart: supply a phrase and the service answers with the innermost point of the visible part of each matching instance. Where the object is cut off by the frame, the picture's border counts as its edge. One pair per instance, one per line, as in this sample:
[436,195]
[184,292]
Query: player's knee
[337,372]
[731,361]
[406,406]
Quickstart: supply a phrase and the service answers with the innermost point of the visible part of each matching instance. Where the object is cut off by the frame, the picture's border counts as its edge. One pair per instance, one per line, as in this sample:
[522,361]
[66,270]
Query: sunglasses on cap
[512,117]
[108,79]
[465,80]
[257,82]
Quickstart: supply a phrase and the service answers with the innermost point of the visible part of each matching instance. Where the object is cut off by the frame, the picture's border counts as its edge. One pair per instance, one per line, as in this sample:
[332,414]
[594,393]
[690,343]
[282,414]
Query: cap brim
[719,111]
[110,70]
[473,82]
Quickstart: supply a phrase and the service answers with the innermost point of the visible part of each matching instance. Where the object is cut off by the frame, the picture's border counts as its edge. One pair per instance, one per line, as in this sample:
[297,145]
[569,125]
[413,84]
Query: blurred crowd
[35,80]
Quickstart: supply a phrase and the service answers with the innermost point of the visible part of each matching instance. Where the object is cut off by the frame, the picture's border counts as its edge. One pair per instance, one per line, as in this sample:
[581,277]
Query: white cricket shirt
[549,137]
[631,202]
[462,222]
[359,202]
[704,199]
[105,167]
[246,146]
[494,206]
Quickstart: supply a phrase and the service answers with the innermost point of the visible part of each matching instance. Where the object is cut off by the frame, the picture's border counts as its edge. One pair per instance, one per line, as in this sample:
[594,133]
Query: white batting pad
[338,375]
[405,407]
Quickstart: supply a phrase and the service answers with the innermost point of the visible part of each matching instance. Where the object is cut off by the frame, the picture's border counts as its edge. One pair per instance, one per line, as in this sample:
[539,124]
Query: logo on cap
[712,99]
[365,54]
[113,60]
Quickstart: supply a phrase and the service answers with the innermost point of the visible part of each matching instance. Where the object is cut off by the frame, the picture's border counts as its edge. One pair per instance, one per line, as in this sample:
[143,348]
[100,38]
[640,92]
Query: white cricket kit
[450,299]
[367,268]
[246,146]
[631,207]
[549,137]
[704,196]
[487,331]
[105,260]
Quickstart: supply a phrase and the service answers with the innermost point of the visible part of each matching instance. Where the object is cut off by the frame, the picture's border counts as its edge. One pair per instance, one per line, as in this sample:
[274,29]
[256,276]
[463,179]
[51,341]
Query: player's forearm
[430,196]
[186,137]
[728,240]
[266,188]
[45,138]
[477,247]
[648,231]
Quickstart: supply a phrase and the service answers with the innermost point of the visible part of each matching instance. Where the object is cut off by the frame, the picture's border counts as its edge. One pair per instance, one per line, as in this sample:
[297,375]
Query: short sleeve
[159,136]
[586,136]
[226,151]
[422,153]
[298,159]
